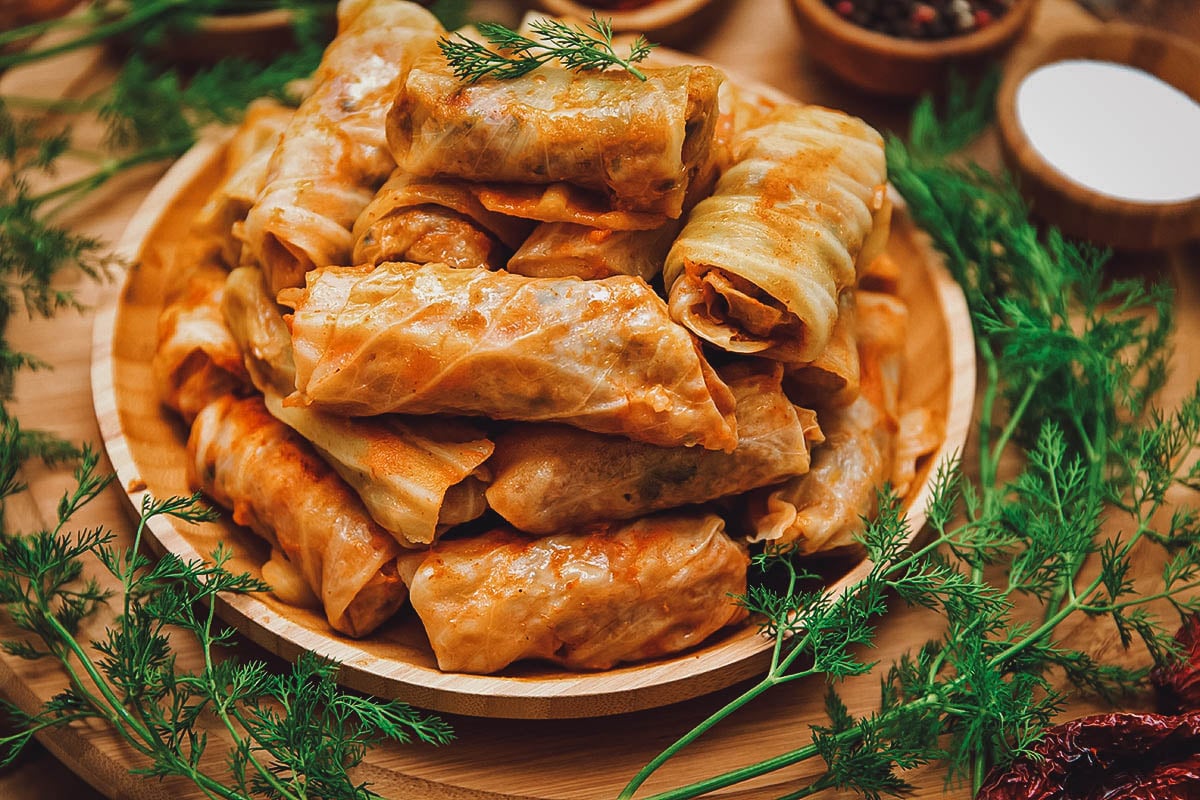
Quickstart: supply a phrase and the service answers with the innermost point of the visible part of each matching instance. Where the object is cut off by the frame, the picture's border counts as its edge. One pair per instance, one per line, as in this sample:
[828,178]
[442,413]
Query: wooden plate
[145,443]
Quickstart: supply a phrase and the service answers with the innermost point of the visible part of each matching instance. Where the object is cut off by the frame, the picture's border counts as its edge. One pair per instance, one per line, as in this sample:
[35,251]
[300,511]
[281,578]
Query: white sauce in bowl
[1115,129]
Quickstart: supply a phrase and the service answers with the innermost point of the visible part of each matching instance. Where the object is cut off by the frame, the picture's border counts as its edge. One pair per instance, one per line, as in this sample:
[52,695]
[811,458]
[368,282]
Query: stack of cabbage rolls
[537,360]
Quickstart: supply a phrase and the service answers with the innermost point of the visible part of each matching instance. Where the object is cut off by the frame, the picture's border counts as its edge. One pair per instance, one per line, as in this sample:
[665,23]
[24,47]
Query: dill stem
[1139,600]
[844,737]
[632,70]
[35,29]
[1016,415]
[1065,593]
[978,772]
[774,676]
[695,733]
[110,700]
[110,169]
[223,713]
[819,785]
[137,15]
[989,460]
[210,787]
[53,106]
[32,730]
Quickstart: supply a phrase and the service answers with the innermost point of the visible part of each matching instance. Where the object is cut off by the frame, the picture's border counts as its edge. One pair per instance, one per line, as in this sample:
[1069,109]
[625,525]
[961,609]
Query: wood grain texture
[145,443]
[499,759]
[1077,209]
[890,65]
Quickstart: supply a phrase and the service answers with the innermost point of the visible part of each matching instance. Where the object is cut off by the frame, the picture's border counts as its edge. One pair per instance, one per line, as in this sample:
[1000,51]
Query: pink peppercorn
[923,14]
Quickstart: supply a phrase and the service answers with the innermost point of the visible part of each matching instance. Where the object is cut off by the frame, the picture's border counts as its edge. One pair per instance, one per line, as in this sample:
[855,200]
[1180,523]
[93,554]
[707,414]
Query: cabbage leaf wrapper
[635,144]
[560,249]
[277,485]
[832,378]
[255,321]
[587,600]
[761,263]
[333,155]
[415,477]
[196,359]
[247,160]
[824,509]
[547,478]
[423,220]
[430,339]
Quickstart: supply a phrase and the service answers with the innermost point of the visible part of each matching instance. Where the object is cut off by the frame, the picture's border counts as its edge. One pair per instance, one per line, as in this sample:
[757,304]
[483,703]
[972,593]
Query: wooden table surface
[755,38]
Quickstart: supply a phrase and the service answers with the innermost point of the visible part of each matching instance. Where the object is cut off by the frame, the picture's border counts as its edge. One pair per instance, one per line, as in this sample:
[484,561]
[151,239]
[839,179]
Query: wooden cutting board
[495,759]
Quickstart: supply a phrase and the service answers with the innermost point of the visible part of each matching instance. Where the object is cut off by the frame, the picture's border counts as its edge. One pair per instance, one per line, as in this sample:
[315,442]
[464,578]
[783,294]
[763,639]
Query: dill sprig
[144,25]
[1071,362]
[151,114]
[512,54]
[290,735]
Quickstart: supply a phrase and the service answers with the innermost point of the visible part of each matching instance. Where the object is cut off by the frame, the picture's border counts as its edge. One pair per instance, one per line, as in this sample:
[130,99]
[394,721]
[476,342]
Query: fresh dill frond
[1071,362]
[511,54]
[291,735]
[151,113]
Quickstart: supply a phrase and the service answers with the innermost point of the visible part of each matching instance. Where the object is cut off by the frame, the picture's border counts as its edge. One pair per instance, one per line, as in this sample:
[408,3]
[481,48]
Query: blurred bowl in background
[260,35]
[256,36]
[671,22]
[1164,152]
[890,65]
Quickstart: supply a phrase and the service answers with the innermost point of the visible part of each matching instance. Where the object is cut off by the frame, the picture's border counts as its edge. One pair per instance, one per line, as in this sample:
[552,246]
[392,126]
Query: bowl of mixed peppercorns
[905,47]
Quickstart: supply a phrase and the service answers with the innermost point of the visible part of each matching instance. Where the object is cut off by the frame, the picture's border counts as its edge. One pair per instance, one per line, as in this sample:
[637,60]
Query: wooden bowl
[258,36]
[671,22]
[263,34]
[1077,209]
[890,65]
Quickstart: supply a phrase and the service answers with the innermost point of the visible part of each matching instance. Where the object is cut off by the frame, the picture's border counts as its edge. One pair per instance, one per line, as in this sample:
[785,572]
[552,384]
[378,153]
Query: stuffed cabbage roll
[255,322]
[427,339]
[276,485]
[424,221]
[633,144]
[832,378]
[549,477]
[247,156]
[333,155]
[586,600]
[824,509]
[560,249]
[415,478]
[760,265]
[196,359]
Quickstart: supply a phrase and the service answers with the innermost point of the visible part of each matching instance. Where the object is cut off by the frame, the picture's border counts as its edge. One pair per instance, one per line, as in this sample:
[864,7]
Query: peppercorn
[921,19]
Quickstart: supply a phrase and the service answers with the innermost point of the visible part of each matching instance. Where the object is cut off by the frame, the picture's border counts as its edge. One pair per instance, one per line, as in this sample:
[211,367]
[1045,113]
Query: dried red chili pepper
[1107,757]
[1178,684]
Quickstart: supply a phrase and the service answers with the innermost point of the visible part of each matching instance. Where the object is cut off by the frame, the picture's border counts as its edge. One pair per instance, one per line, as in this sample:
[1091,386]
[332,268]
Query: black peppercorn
[921,19]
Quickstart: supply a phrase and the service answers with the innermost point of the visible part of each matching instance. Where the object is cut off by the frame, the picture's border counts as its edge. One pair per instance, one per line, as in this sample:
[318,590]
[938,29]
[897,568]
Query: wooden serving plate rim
[725,659]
